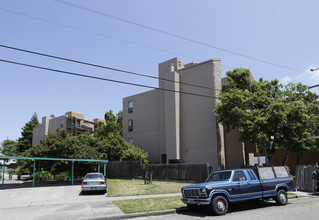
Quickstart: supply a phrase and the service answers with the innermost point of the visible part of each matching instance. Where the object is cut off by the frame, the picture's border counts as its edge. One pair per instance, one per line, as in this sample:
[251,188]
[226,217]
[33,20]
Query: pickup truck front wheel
[281,197]
[219,205]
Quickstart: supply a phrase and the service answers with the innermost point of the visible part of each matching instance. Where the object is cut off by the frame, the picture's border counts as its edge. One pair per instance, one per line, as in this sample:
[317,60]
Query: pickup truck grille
[191,192]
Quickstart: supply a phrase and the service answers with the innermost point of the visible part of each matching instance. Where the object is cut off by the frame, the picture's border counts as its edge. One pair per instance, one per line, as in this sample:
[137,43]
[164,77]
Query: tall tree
[113,124]
[25,142]
[9,148]
[268,115]
[245,105]
[299,131]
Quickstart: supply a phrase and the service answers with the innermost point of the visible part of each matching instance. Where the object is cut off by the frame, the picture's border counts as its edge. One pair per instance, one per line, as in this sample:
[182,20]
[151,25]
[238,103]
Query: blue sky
[274,39]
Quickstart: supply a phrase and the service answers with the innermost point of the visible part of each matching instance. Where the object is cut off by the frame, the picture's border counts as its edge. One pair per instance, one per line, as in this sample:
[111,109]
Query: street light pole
[310,87]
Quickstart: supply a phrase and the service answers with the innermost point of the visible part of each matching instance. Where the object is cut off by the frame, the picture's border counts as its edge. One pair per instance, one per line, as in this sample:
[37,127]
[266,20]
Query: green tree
[25,142]
[246,105]
[113,124]
[299,133]
[268,115]
[9,148]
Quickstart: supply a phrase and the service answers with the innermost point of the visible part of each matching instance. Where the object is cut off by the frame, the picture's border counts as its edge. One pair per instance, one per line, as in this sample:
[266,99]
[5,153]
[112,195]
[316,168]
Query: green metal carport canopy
[34,159]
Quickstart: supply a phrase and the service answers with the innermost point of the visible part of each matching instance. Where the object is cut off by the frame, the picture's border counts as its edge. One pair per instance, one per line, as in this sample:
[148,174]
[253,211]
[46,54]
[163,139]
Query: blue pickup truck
[228,186]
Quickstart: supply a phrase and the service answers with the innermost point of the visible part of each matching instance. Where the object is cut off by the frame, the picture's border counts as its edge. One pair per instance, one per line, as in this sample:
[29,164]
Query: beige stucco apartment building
[74,123]
[178,126]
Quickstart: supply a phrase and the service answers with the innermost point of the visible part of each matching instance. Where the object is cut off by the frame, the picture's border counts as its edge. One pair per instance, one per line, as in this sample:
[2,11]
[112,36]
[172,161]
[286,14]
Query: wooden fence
[304,181]
[170,172]
[180,172]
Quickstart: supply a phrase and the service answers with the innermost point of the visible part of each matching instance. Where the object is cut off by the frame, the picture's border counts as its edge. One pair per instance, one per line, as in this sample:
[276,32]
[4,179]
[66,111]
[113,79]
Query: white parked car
[94,182]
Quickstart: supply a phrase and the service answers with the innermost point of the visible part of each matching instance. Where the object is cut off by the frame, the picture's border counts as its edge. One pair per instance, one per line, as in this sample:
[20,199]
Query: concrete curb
[144,214]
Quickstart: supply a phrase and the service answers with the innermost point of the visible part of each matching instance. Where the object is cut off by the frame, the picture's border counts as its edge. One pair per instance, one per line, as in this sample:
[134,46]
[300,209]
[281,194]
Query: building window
[163,158]
[130,107]
[62,122]
[130,125]
[130,140]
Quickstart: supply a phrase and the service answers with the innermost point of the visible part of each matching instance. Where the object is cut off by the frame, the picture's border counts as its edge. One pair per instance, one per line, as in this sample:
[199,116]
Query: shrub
[63,176]
[44,175]
[11,171]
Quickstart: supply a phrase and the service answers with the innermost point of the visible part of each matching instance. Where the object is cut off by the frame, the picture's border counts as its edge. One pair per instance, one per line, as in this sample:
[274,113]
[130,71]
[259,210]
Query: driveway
[22,201]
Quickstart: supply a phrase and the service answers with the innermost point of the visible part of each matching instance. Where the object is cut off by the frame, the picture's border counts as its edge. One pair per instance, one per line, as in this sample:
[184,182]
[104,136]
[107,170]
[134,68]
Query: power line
[99,34]
[103,67]
[104,79]
[310,87]
[176,36]
[106,36]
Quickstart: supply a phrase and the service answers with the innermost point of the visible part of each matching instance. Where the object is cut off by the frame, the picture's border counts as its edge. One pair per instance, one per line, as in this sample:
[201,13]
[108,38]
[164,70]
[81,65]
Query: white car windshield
[94,176]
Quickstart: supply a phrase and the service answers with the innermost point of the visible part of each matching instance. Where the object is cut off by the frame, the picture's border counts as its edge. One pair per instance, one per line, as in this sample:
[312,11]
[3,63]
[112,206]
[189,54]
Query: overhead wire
[104,79]
[176,36]
[100,34]
[103,67]
[106,36]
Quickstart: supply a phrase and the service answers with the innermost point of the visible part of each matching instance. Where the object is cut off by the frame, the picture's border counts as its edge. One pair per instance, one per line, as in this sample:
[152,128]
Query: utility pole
[310,87]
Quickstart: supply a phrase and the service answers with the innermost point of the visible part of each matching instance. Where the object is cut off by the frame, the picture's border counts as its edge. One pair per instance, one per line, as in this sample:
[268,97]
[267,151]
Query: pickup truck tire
[219,205]
[281,197]
[193,207]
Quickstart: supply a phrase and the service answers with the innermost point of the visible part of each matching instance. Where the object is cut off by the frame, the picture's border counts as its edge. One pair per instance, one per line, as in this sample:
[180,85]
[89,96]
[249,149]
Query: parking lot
[22,201]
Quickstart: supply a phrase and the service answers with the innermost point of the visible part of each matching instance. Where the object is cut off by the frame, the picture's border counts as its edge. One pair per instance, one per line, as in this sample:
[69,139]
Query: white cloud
[286,80]
[307,77]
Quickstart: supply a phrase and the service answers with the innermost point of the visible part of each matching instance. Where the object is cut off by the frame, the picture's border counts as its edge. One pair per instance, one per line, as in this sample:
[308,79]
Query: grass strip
[120,187]
[149,204]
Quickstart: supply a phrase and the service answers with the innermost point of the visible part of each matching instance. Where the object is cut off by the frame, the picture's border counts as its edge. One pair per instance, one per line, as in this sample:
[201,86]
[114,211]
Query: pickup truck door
[241,186]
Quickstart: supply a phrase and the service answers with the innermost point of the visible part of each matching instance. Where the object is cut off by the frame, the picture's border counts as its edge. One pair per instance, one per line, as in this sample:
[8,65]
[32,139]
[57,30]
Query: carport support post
[3,172]
[39,172]
[104,169]
[98,168]
[72,174]
[33,172]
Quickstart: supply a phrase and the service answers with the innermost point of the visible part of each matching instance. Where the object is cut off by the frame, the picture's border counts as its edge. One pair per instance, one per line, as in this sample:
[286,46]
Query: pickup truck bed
[228,186]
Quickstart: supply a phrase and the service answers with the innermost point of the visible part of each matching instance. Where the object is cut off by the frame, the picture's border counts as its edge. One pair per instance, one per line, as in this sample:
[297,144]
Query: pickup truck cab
[228,186]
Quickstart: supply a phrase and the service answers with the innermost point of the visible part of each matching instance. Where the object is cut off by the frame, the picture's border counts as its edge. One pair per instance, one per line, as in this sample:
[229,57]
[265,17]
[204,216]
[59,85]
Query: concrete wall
[235,152]
[169,109]
[55,123]
[145,117]
[199,130]
[41,131]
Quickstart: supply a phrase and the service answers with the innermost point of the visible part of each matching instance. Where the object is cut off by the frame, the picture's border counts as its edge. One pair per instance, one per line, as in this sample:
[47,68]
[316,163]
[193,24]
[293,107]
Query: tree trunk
[286,157]
[266,153]
[299,156]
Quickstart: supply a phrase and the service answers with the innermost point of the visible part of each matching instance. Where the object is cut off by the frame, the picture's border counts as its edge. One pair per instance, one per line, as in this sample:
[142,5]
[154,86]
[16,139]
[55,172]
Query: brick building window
[130,140]
[130,107]
[130,125]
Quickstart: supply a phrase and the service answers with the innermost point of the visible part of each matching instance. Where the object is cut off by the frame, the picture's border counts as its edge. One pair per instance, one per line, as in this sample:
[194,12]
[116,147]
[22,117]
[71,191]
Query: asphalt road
[53,202]
[299,208]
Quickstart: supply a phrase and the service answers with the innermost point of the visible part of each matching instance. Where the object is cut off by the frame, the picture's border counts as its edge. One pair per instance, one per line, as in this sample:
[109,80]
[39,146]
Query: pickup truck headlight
[202,192]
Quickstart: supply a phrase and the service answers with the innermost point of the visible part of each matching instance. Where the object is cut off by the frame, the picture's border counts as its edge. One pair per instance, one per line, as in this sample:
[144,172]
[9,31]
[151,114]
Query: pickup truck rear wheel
[281,197]
[219,205]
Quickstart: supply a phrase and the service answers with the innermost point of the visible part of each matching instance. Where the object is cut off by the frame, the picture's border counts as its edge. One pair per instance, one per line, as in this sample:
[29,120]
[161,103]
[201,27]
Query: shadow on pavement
[233,208]
[24,184]
[91,193]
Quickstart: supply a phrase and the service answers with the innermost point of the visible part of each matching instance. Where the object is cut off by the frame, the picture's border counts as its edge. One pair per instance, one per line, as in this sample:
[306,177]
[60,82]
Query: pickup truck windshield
[220,176]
